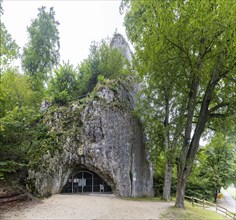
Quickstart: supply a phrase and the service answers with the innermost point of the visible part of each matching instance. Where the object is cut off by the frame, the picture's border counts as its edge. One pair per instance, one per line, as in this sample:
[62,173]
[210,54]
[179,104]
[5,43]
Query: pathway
[227,201]
[89,207]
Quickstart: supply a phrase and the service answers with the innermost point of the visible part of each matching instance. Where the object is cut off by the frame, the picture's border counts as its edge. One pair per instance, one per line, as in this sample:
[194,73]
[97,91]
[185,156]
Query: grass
[191,213]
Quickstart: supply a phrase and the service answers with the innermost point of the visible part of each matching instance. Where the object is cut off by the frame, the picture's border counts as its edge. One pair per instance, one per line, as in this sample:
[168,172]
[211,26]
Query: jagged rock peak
[119,42]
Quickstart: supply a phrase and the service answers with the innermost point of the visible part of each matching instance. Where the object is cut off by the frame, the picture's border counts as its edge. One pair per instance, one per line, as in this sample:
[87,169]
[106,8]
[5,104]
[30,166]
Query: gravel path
[227,201]
[96,206]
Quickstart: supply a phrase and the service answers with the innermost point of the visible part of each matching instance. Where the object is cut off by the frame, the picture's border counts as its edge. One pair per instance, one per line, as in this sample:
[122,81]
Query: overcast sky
[81,22]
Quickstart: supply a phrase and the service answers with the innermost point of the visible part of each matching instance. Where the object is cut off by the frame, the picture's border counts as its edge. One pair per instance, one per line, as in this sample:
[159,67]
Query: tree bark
[182,171]
[168,166]
[167,182]
[180,189]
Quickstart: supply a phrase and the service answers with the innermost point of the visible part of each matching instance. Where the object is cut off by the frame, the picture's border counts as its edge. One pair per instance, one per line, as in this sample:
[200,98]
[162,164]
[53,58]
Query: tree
[41,54]
[197,39]
[214,167]
[64,85]
[161,113]
[17,115]
[104,61]
[15,91]
[16,129]
[218,165]
[15,106]
[9,50]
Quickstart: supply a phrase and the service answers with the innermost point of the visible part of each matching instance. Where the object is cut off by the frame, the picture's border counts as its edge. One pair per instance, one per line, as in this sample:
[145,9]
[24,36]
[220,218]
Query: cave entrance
[86,181]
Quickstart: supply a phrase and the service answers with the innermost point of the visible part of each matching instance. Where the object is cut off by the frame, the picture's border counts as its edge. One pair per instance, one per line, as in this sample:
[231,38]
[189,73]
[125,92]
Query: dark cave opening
[85,181]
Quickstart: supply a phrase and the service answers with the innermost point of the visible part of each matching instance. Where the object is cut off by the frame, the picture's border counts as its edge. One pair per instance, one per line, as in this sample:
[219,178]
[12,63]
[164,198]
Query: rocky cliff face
[99,134]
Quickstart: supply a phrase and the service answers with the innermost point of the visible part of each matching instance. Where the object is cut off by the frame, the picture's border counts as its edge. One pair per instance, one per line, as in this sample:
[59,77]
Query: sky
[81,22]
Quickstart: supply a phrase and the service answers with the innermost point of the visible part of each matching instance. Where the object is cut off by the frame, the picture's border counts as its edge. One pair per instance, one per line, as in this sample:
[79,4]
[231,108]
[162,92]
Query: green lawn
[191,213]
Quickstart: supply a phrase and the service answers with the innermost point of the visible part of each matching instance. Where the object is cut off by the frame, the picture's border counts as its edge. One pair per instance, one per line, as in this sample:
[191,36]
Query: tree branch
[216,115]
[220,105]
[208,47]
[211,128]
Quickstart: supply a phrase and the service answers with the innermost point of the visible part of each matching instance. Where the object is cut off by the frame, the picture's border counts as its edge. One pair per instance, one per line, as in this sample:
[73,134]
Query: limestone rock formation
[99,134]
[119,42]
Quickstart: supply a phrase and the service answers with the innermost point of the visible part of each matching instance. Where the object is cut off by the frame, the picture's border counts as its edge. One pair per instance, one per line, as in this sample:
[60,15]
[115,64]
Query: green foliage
[215,168]
[9,50]
[101,79]
[9,167]
[17,113]
[45,142]
[16,129]
[15,124]
[198,185]
[61,97]
[15,91]
[159,177]
[102,61]
[41,53]
[68,83]
[219,161]
[64,85]
[193,213]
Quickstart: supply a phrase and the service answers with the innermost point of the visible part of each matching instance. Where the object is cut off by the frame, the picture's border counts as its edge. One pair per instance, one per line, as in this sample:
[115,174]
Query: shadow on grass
[191,213]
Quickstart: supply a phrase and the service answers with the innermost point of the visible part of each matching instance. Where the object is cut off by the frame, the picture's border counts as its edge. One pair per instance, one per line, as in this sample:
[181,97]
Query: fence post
[193,201]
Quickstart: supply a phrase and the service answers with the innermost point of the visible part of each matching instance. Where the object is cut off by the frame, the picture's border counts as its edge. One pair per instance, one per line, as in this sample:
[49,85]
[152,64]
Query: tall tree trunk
[189,150]
[167,182]
[168,165]
[180,189]
[182,177]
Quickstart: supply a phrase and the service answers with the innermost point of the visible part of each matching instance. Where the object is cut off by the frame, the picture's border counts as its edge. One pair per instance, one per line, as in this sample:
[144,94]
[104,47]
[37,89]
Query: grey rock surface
[100,134]
[119,42]
[45,105]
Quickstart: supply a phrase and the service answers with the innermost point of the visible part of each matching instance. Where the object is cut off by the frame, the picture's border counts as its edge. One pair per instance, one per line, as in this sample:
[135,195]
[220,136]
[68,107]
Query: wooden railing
[205,204]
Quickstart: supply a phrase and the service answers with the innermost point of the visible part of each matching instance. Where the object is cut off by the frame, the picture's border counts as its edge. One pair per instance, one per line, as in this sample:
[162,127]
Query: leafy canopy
[102,61]
[214,167]
[41,54]
[64,84]
[9,50]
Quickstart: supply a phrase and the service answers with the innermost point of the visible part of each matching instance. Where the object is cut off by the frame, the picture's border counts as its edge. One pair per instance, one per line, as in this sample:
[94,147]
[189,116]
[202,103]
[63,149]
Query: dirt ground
[96,206]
